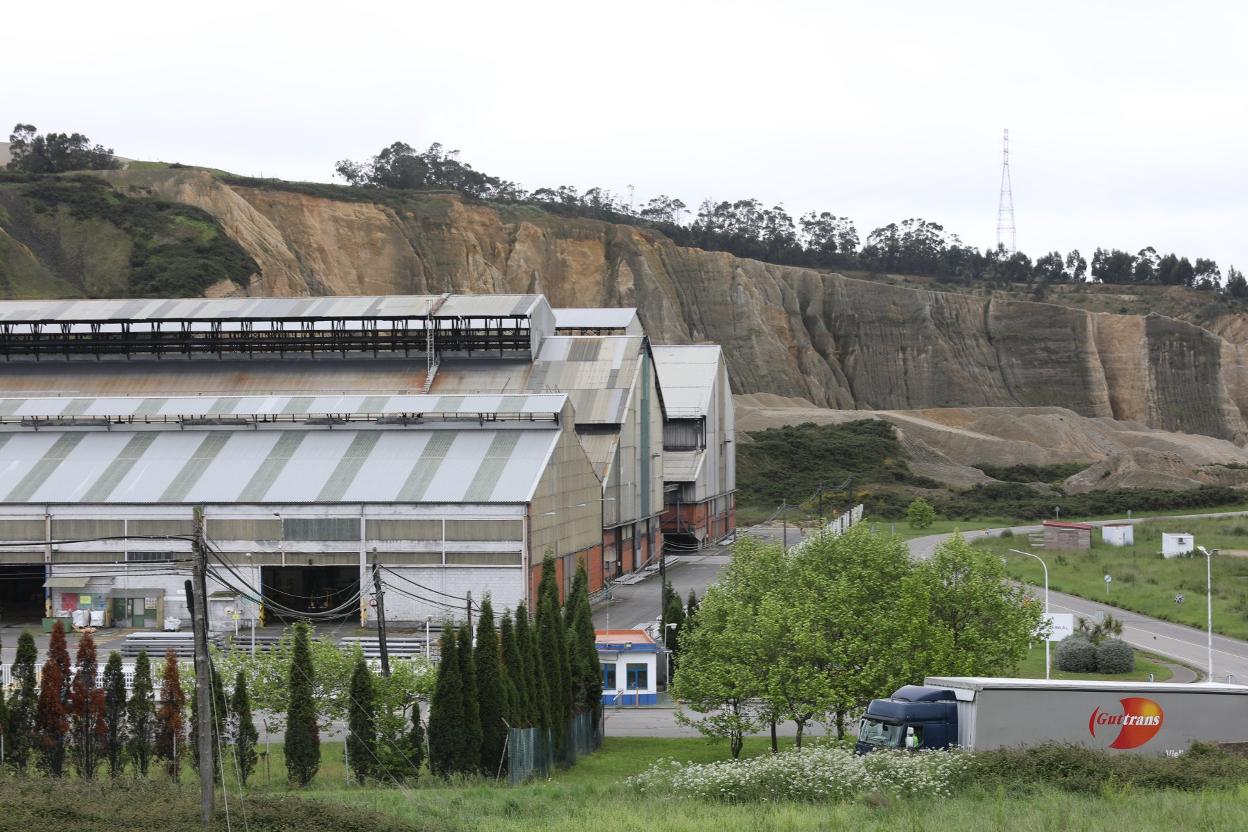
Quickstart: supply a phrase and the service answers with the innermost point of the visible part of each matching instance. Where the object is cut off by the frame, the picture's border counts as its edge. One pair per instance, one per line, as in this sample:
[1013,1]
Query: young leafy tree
[515,708]
[446,711]
[362,724]
[21,717]
[114,714]
[920,514]
[489,675]
[303,740]
[469,761]
[170,726]
[140,715]
[243,729]
[984,622]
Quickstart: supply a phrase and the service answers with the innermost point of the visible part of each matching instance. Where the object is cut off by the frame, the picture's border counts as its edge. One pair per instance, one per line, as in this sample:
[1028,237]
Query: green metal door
[136,612]
[120,611]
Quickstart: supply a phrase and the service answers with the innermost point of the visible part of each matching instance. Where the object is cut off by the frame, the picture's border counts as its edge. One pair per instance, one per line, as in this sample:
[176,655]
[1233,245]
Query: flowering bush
[818,774]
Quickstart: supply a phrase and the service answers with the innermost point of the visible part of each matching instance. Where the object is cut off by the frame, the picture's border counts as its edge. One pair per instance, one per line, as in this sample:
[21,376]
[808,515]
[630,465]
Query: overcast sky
[1128,120]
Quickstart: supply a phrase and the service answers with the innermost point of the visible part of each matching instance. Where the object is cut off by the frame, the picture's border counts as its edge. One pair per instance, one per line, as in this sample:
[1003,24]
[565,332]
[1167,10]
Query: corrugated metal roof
[211,405]
[384,306]
[600,447]
[275,466]
[682,466]
[596,372]
[590,318]
[687,376]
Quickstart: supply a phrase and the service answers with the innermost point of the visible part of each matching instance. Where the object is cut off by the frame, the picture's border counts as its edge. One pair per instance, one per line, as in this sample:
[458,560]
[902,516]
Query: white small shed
[1174,545]
[1118,534]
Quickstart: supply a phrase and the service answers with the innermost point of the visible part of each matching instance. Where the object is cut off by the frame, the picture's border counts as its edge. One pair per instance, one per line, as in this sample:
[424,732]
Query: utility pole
[203,669]
[784,513]
[381,616]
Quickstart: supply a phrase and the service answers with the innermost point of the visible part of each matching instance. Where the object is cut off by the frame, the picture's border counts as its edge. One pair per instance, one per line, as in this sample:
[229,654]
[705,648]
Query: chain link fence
[531,751]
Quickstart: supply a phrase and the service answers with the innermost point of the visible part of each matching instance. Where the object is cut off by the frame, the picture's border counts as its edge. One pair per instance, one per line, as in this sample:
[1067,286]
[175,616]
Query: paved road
[637,605]
[1187,644]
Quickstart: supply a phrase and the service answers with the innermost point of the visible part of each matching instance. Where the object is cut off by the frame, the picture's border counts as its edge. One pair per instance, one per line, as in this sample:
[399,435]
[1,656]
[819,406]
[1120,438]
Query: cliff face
[838,342]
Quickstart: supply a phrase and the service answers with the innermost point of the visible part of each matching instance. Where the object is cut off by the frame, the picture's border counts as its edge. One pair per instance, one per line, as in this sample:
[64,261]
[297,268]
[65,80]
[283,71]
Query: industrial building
[454,439]
[699,454]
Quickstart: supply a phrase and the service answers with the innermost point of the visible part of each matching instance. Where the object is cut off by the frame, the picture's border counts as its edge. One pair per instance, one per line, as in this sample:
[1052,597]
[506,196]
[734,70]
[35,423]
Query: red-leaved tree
[86,711]
[170,730]
[51,723]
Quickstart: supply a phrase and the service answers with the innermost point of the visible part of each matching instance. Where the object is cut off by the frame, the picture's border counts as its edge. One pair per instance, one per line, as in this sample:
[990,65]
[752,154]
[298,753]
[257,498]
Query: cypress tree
[674,614]
[553,648]
[446,711]
[170,742]
[362,723]
[51,720]
[516,707]
[18,739]
[691,606]
[140,714]
[243,728]
[86,709]
[588,669]
[114,714]
[470,760]
[534,682]
[490,690]
[303,739]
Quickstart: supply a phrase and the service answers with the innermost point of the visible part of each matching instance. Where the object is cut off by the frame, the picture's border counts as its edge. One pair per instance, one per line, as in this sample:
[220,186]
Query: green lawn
[1033,668]
[592,796]
[1145,582]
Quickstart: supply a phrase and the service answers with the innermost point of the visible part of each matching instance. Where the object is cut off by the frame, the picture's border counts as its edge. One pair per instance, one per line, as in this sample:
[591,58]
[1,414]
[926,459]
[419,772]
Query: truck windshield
[878,733]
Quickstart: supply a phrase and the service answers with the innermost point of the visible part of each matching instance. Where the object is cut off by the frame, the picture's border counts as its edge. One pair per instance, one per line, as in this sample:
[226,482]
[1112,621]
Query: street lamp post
[1208,605]
[1047,666]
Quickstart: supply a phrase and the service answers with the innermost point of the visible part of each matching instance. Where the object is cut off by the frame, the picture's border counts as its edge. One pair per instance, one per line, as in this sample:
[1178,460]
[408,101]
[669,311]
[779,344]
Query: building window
[152,557]
[638,678]
[608,676]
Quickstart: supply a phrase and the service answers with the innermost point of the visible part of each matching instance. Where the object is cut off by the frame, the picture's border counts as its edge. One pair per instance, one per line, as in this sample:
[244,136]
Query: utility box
[1177,545]
[1118,534]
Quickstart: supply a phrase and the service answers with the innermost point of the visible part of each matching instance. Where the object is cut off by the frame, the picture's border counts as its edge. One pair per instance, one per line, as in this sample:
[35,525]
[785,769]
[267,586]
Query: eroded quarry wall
[835,341]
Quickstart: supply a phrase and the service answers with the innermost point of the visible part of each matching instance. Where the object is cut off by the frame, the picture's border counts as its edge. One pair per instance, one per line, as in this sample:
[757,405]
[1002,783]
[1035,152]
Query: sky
[1128,120]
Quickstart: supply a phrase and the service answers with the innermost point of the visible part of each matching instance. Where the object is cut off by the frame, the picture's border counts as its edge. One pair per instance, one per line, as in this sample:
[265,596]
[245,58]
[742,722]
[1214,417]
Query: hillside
[838,342]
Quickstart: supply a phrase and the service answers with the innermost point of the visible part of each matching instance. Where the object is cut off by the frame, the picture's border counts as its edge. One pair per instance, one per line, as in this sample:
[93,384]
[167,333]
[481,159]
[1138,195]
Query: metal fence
[531,751]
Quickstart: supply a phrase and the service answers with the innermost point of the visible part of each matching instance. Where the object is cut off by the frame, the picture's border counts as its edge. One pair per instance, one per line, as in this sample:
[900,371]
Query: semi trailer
[981,714]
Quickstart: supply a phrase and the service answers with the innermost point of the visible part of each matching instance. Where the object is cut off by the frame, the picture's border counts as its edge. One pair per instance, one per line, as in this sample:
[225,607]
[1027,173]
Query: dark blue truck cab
[915,718]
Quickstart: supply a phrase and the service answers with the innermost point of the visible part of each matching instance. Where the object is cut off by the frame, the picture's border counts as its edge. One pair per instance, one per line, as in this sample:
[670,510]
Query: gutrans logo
[1138,723]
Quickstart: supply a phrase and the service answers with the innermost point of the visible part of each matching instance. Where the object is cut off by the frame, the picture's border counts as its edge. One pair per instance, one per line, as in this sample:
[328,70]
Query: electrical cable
[463,599]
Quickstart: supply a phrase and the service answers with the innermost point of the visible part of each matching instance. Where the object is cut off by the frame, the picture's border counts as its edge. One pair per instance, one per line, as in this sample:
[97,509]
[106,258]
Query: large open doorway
[310,589]
[21,593]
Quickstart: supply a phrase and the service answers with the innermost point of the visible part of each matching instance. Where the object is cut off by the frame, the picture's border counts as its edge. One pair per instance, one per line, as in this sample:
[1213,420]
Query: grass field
[593,795]
[1033,668]
[1143,581]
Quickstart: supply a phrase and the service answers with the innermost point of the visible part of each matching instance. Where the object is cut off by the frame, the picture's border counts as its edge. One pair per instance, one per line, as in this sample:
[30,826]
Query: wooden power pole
[203,667]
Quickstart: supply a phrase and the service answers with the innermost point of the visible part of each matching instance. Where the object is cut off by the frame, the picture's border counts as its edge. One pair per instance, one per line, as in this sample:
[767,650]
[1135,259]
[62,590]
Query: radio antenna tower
[1005,206]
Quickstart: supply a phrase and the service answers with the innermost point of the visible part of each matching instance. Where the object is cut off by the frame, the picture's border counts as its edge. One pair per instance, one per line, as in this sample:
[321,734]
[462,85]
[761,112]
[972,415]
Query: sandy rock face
[833,341]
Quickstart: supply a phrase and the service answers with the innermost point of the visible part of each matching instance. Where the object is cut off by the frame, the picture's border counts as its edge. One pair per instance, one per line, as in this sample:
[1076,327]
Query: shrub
[1114,656]
[819,774]
[1075,654]
[920,514]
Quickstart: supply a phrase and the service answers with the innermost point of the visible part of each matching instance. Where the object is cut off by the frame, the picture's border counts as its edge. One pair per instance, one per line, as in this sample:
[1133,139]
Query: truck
[980,714]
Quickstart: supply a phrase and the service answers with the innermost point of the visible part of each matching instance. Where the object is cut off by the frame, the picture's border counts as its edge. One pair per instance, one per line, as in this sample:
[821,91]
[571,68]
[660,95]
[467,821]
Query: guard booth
[139,607]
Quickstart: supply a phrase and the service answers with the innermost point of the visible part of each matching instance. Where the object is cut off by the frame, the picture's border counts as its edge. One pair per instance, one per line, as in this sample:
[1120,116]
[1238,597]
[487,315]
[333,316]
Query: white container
[1118,534]
[1174,545]
[97,618]
[172,625]
[81,617]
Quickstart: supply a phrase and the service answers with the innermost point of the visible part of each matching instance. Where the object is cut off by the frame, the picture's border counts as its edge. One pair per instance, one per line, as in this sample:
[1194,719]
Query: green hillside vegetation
[73,235]
[795,463]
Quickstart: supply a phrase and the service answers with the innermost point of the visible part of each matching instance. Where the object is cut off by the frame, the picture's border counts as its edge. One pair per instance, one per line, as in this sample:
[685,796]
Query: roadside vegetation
[1143,581]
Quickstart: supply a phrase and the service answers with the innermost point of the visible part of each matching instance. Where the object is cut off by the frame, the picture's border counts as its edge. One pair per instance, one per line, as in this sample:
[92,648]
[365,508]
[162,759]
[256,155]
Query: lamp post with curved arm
[1047,666]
